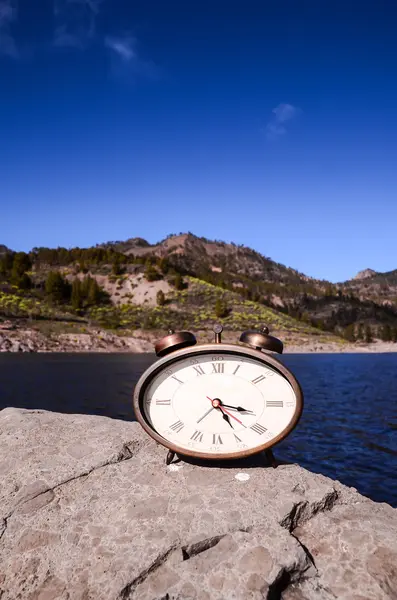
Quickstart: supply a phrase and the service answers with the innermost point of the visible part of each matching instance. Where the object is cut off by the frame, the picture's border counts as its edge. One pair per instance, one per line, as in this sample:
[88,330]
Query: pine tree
[85,286]
[151,274]
[178,282]
[368,335]
[221,309]
[77,298]
[163,265]
[348,333]
[160,297]
[360,332]
[24,282]
[117,268]
[83,266]
[386,333]
[56,288]
[94,293]
[20,264]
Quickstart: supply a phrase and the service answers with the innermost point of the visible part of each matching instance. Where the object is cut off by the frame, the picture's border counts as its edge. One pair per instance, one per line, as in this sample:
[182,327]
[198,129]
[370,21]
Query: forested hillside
[188,282]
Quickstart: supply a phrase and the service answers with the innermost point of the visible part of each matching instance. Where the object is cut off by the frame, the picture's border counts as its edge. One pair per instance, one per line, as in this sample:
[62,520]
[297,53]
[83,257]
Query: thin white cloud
[75,27]
[126,61]
[122,46]
[281,115]
[8,14]
[75,22]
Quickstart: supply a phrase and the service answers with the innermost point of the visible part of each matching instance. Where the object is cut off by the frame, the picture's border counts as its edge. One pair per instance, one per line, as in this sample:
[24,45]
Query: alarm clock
[218,401]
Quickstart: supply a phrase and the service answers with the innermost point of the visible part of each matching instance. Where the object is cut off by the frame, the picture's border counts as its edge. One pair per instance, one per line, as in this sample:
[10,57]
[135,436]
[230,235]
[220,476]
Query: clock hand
[207,413]
[226,417]
[217,403]
[230,415]
[239,408]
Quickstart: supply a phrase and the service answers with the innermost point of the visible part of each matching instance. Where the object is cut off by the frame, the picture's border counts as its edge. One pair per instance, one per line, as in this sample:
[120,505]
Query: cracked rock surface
[89,510]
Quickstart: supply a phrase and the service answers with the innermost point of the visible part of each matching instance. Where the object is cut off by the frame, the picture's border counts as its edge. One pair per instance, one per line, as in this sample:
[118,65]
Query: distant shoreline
[17,340]
[376,347]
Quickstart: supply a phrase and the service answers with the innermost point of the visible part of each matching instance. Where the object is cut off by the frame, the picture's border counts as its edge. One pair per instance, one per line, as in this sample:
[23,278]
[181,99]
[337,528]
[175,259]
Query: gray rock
[89,510]
[5,345]
[31,346]
[16,347]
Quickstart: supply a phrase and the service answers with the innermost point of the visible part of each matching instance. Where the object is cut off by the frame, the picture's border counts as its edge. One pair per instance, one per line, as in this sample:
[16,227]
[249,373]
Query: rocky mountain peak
[365,274]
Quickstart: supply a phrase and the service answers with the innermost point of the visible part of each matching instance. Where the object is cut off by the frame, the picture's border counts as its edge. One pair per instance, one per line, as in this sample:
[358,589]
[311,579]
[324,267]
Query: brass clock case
[213,349]
[174,341]
[261,340]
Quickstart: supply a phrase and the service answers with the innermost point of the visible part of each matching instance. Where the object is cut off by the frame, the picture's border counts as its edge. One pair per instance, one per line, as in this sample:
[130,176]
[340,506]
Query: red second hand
[230,415]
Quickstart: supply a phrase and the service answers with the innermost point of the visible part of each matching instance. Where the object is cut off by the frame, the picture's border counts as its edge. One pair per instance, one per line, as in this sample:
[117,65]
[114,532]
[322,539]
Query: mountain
[4,249]
[365,301]
[198,254]
[365,274]
[188,279]
[380,288]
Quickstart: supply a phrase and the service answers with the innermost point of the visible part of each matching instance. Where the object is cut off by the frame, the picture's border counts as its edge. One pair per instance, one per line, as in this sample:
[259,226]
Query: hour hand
[226,417]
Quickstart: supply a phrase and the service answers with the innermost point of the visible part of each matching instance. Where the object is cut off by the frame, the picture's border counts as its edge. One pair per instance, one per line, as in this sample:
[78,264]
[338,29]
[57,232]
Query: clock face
[219,403]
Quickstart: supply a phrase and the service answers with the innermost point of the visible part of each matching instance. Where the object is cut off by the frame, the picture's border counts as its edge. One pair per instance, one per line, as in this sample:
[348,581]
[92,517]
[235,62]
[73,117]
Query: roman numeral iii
[273,403]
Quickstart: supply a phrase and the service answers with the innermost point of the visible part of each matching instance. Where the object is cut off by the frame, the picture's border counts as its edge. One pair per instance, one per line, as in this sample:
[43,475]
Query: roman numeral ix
[163,402]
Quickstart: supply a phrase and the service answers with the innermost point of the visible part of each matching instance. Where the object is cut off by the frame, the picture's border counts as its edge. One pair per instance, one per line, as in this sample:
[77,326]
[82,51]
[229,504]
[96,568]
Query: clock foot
[170,457]
[271,458]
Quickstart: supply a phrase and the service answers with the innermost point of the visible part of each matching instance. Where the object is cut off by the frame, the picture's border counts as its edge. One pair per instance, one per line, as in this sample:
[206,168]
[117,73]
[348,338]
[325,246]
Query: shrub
[221,309]
[151,274]
[160,297]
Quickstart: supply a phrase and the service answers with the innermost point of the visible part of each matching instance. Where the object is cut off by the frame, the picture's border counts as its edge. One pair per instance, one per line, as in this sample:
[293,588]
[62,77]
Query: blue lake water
[348,430]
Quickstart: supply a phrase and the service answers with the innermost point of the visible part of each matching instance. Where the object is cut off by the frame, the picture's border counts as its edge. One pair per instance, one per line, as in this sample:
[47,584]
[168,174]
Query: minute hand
[239,408]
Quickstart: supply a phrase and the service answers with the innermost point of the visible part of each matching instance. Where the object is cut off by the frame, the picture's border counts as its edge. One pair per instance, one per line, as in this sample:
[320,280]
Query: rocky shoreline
[17,339]
[28,340]
[89,510]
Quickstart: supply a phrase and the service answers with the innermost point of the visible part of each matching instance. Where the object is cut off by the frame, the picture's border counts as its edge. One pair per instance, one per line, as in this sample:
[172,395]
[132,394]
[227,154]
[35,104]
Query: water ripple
[348,430]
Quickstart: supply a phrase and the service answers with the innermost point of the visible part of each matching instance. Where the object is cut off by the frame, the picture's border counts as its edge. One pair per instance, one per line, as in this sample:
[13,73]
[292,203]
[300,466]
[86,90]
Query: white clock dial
[219,403]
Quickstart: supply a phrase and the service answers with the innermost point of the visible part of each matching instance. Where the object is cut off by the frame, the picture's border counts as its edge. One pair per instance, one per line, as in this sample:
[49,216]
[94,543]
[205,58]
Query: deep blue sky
[272,124]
